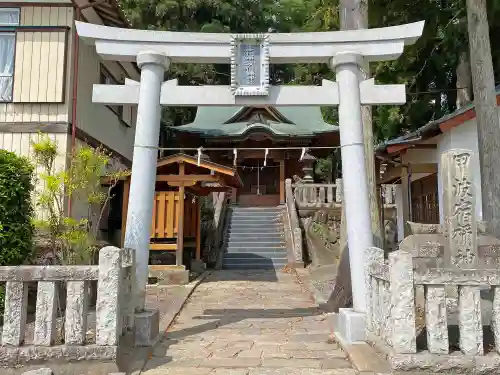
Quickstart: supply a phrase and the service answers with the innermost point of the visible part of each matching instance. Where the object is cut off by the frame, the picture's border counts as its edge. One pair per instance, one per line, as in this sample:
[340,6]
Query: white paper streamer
[199,156]
[302,154]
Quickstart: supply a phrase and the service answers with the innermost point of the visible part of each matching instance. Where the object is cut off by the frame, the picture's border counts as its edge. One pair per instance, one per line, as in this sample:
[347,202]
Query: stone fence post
[402,302]
[108,309]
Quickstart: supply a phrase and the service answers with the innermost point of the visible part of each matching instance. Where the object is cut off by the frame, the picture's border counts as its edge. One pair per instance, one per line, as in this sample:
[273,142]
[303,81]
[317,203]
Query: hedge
[16,208]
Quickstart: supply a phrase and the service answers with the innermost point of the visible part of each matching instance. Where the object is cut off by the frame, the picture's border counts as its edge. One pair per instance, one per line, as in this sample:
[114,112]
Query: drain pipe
[77,17]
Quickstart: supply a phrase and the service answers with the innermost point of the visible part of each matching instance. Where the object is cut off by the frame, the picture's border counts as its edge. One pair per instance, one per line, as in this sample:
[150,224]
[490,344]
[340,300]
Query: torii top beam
[379,44]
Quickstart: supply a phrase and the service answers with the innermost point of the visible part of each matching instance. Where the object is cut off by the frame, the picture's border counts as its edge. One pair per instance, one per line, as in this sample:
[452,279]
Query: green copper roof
[212,122]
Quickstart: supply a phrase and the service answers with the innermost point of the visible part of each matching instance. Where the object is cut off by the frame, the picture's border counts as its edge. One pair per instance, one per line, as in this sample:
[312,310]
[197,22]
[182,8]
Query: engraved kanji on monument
[250,64]
[459,210]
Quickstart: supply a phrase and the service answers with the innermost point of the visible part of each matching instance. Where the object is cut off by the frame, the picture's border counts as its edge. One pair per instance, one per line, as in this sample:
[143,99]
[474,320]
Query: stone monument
[431,303]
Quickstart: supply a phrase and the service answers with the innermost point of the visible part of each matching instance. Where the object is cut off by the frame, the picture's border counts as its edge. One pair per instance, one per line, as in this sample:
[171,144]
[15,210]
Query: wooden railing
[114,309]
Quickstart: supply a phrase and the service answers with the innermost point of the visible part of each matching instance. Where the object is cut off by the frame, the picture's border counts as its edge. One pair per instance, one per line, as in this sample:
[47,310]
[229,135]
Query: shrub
[73,241]
[16,209]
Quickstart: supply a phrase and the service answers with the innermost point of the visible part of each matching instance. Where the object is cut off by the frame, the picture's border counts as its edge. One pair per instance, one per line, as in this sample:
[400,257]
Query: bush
[16,209]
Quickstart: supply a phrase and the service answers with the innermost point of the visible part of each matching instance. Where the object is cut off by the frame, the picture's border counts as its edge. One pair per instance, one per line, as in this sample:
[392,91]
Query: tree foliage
[16,209]
[428,68]
[16,229]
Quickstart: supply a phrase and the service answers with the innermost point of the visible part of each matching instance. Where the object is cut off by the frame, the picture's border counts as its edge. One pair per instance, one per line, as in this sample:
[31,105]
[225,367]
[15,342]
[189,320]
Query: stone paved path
[249,323]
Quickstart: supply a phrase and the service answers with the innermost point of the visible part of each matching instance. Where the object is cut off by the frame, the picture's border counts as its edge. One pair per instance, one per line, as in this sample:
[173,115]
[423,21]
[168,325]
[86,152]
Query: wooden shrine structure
[180,182]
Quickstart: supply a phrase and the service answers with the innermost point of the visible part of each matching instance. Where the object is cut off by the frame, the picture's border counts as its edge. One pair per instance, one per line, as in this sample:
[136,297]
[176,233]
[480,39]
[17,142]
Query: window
[8,17]
[106,78]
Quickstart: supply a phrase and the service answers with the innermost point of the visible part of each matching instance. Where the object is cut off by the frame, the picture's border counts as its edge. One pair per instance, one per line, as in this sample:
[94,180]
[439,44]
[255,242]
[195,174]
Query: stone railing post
[373,255]
[46,312]
[402,300]
[338,190]
[75,328]
[108,314]
[16,303]
[127,290]
[296,232]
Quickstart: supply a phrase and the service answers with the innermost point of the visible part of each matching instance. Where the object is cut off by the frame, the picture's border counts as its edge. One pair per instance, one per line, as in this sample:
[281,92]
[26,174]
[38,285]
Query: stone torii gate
[250,56]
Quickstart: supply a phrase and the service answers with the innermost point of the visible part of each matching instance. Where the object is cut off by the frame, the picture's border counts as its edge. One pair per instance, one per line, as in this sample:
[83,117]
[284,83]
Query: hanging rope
[181,149]
[251,168]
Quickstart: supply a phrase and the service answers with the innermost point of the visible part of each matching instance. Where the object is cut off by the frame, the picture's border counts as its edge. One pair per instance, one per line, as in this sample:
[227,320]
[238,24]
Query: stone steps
[273,248]
[255,239]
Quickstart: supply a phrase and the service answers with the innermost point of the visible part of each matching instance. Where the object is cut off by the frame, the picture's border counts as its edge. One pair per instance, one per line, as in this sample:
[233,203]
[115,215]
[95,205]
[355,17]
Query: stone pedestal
[147,327]
[350,326]
[198,266]
[169,276]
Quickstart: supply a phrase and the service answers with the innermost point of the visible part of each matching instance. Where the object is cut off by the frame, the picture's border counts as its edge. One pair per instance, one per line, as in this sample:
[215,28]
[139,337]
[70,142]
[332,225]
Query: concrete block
[170,276]
[40,371]
[351,326]
[147,327]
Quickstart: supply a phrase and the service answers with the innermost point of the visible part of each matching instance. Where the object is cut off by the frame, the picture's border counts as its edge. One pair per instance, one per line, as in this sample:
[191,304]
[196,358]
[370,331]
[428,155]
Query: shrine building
[250,130]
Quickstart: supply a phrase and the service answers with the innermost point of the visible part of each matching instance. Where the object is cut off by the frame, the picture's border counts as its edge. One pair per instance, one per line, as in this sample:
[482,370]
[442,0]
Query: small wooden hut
[180,182]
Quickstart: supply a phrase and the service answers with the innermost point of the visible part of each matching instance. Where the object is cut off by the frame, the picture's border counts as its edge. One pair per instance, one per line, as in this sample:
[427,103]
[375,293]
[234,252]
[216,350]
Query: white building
[412,162]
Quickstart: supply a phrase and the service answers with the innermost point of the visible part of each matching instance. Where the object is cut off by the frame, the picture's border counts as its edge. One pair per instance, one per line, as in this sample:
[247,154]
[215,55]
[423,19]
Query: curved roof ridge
[302,120]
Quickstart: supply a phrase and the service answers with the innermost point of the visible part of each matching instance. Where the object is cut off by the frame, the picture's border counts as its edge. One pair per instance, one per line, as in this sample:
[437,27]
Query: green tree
[238,16]
[428,68]
[16,209]
[73,241]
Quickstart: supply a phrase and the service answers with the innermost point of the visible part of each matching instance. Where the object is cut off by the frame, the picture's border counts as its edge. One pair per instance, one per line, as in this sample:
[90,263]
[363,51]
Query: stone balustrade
[114,313]
[413,309]
[310,195]
[294,223]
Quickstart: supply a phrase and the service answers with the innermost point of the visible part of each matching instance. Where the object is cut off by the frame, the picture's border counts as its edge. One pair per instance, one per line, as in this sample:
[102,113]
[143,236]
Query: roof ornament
[265,156]
[235,152]
[304,150]
[199,156]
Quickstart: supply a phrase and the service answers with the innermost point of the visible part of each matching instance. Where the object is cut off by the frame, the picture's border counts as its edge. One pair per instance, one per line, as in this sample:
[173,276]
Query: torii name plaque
[250,64]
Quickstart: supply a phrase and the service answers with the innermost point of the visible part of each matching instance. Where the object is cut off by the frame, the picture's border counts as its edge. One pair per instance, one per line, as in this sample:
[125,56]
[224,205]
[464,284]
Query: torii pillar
[351,322]
[142,183]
